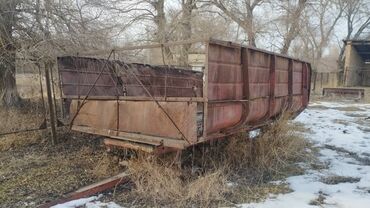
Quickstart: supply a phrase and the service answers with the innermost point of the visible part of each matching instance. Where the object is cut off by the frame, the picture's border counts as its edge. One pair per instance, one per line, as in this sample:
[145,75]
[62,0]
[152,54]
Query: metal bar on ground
[91,189]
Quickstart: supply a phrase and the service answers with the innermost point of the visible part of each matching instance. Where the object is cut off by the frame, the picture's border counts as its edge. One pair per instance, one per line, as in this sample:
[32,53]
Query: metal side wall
[248,86]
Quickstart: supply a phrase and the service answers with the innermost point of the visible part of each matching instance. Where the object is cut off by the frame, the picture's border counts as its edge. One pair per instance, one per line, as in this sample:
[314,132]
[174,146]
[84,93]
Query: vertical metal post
[166,71]
[245,73]
[290,83]
[304,85]
[272,85]
[50,103]
[205,89]
[244,62]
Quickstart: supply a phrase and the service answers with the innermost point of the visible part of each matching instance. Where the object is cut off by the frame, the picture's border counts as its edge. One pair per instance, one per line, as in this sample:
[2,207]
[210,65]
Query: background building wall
[352,66]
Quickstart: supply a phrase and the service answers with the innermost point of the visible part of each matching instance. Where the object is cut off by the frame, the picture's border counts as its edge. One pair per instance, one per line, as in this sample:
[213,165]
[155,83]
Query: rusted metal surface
[138,117]
[124,144]
[79,73]
[162,81]
[90,189]
[129,145]
[261,86]
[346,92]
[134,137]
[139,98]
[281,84]
[240,88]
[224,83]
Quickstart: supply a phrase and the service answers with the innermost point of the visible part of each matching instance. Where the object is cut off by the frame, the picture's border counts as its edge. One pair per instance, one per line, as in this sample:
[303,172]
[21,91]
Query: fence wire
[31,113]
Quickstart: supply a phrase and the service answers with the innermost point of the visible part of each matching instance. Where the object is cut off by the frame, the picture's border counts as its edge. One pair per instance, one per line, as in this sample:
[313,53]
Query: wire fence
[33,111]
[321,80]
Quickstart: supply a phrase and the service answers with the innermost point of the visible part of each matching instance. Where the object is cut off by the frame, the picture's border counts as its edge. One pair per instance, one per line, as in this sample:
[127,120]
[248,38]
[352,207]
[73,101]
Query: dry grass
[32,173]
[106,166]
[319,201]
[248,193]
[29,115]
[349,109]
[271,155]
[161,185]
[336,179]
[155,182]
[14,141]
[208,189]
[228,172]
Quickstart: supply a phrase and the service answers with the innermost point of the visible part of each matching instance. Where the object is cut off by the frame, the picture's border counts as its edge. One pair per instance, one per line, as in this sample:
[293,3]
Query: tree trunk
[8,89]
[186,30]
[160,21]
[250,27]
[294,27]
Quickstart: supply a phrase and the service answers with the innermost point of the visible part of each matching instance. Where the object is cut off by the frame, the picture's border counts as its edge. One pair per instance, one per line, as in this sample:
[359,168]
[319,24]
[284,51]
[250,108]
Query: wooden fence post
[50,103]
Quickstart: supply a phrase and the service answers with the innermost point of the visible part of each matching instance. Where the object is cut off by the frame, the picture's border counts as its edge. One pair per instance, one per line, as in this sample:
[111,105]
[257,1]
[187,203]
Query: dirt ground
[33,171]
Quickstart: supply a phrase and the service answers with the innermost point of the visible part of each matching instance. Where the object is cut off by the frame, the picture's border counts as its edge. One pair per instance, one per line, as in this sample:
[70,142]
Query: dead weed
[227,172]
[32,174]
[336,179]
[161,185]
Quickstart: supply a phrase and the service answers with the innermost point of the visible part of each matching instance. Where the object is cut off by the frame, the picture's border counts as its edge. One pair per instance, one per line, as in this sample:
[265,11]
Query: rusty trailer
[171,106]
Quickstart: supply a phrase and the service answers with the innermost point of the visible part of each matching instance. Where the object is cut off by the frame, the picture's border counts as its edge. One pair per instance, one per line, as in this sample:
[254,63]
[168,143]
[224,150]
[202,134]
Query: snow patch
[91,202]
[342,140]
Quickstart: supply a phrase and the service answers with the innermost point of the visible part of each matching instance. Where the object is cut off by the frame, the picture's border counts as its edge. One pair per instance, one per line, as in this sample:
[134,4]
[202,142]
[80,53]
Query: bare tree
[160,20]
[319,25]
[293,18]
[242,13]
[44,28]
[187,7]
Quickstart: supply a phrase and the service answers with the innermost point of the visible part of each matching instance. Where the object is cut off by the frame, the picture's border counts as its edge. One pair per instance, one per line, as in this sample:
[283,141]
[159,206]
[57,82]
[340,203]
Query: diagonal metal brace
[88,92]
[156,101]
